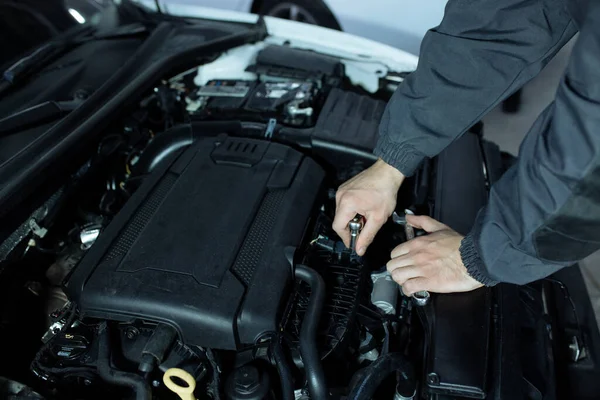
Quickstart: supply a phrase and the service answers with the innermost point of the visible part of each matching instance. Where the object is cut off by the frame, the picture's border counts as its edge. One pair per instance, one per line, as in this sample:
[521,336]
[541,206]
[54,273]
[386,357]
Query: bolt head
[433,378]
[247,379]
[131,332]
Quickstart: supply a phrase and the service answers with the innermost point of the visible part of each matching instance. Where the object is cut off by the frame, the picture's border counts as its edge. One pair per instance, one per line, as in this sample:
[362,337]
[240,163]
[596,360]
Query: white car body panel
[398,23]
[235,5]
[365,60]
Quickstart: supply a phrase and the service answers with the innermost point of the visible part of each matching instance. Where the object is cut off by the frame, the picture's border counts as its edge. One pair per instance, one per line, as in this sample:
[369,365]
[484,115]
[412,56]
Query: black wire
[45,250]
[158,9]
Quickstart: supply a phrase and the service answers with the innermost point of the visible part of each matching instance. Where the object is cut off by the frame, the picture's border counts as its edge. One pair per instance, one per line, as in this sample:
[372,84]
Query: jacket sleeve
[544,213]
[482,52]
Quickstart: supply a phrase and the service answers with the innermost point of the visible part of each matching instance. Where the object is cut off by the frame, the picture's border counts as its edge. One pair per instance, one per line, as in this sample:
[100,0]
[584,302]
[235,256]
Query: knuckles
[409,288]
[420,258]
[378,218]
[390,266]
[398,276]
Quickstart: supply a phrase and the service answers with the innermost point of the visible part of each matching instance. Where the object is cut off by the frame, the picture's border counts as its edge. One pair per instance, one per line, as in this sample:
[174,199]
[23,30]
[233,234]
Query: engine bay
[194,248]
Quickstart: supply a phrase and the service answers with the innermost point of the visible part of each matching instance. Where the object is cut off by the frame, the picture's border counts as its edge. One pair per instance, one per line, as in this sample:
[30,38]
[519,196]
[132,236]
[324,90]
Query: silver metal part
[355,225]
[398,396]
[52,331]
[58,324]
[270,128]
[576,350]
[294,110]
[421,298]
[385,292]
[408,229]
[301,394]
[397,219]
[370,355]
[88,236]
[56,299]
[224,89]
[401,220]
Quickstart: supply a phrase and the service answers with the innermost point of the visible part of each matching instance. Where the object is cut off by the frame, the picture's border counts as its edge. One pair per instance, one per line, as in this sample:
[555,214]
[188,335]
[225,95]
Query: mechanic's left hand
[431,262]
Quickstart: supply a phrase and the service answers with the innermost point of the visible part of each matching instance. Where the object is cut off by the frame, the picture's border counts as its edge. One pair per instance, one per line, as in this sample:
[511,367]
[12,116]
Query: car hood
[366,60]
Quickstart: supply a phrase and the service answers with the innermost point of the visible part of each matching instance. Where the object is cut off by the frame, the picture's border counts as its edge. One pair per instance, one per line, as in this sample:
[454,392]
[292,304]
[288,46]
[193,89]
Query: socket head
[421,298]
[356,223]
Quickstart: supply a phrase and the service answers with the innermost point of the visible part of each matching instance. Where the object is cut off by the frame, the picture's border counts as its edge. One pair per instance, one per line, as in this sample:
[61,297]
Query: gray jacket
[544,213]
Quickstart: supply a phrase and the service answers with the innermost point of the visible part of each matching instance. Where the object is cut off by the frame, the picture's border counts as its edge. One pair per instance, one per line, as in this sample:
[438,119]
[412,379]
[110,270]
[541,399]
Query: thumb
[426,223]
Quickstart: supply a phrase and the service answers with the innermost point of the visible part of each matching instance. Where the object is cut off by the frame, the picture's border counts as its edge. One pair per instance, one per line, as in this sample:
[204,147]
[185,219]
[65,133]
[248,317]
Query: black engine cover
[202,243]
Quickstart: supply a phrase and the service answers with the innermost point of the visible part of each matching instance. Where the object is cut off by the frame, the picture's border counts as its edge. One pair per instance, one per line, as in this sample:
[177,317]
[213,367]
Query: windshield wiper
[20,67]
[27,65]
[125,31]
[41,113]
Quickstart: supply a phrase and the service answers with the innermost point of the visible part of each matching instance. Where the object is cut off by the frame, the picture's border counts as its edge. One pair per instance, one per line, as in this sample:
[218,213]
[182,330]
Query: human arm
[481,52]
[544,213]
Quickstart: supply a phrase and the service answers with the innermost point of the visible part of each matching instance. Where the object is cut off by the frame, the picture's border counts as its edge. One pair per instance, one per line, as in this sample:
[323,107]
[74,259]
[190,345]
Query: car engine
[193,252]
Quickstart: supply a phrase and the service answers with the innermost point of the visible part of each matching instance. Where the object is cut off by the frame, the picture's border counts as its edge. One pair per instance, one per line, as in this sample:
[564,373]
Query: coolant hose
[308,333]
[139,386]
[285,373]
[373,375]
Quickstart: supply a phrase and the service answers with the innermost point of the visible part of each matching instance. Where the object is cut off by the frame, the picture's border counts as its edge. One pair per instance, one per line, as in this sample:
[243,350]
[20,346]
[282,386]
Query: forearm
[480,54]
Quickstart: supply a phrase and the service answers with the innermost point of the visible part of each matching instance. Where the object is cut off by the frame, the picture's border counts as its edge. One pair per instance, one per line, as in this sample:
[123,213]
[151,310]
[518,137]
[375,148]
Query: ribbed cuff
[473,263]
[402,157]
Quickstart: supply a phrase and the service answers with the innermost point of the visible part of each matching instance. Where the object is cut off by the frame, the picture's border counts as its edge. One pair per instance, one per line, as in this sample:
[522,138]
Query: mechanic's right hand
[372,194]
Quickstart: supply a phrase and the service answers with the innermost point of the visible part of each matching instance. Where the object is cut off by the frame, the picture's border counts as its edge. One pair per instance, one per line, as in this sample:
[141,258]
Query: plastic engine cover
[202,243]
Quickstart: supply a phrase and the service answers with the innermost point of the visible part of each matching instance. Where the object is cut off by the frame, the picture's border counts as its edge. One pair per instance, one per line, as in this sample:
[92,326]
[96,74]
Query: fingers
[402,275]
[413,285]
[426,223]
[372,194]
[402,249]
[343,215]
[368,233]
[373,223]
[399,262]
[407,247]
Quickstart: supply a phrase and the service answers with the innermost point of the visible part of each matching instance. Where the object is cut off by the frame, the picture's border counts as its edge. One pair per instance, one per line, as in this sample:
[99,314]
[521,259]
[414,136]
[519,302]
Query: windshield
[26,25]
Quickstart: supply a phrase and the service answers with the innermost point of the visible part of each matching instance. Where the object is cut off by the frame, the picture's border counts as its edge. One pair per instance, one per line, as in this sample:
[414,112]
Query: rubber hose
[139,386]
[285,373]
[378,371]
[170,141]
[308,333]
[162,146]
[351,151]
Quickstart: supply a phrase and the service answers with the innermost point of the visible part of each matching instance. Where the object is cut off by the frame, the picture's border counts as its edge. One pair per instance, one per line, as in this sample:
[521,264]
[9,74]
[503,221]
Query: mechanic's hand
[431,262]
[372,194]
